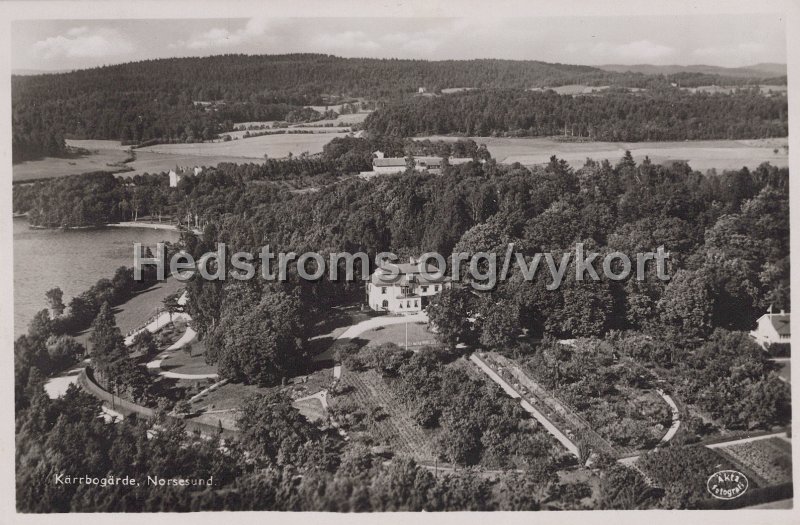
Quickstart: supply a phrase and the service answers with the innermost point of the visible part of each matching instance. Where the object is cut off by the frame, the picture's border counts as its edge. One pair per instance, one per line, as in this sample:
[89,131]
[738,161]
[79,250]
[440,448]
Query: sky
[721,40]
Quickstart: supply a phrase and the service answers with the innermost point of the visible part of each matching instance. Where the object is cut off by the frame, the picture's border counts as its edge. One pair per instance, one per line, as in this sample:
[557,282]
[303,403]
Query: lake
[73,260]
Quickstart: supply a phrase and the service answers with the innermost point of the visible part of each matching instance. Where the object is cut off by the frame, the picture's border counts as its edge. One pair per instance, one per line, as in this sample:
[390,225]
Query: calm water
[73,260]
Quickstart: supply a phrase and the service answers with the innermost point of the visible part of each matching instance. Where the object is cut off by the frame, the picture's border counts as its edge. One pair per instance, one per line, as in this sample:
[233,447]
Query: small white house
[174,178]
[773,328]
[177,174]
[402,288]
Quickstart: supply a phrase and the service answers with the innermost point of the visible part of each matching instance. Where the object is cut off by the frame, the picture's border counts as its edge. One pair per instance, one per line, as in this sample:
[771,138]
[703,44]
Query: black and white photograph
[427,257]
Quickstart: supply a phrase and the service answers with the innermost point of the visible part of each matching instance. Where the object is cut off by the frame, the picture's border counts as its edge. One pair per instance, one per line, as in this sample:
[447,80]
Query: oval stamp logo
[727,484]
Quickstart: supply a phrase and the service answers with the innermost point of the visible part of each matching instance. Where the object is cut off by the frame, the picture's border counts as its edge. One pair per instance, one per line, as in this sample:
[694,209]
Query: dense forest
[194,99]
[669,114]
[727,233]
[729,237]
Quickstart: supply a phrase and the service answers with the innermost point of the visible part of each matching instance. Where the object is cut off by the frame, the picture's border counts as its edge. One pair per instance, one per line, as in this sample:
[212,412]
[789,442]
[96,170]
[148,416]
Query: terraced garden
[770,458]
[367,410]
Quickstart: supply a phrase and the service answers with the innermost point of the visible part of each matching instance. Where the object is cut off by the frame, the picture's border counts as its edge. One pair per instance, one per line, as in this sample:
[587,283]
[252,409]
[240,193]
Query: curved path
[352,332]
[159,322]
[376,322]
[57,386]
[188,336]
[357,329]
[676,418]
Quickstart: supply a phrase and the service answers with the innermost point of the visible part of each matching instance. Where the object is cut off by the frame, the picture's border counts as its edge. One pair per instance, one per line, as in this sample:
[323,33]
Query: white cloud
[82,42]
[255,28]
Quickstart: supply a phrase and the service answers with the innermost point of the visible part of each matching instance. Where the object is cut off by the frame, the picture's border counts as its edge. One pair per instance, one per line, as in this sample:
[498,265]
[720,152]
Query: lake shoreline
[126,224]
[72,259]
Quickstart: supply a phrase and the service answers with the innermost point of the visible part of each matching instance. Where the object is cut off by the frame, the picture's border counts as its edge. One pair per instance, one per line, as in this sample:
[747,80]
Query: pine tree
[107,343]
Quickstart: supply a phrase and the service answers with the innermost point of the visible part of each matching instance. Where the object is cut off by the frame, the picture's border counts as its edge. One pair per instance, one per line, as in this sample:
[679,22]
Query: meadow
[105,155]
[701,154]
[275,146]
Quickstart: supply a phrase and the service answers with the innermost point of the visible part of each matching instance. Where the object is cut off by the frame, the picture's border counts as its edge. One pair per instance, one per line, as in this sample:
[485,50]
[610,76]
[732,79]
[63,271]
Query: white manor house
[402,288]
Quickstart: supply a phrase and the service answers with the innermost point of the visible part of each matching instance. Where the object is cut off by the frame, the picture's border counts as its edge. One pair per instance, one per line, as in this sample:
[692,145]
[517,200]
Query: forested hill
[301,78]
[157,99]
[668,114]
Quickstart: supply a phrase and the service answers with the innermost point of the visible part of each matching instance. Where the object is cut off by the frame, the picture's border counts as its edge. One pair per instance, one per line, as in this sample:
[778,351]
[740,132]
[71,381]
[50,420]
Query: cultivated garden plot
[770,458]
[618,403]
[365,406]
[255,278]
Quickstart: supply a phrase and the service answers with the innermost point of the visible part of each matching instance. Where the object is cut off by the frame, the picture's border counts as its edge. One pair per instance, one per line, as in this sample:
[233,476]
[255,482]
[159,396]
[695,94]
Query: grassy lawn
[418,334]
[133,313]
[227,399]
[180,361]
[325,330]
[223,403]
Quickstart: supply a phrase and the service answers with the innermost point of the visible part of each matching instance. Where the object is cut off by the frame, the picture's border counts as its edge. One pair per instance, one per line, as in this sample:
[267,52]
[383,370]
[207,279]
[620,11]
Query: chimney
[412,260]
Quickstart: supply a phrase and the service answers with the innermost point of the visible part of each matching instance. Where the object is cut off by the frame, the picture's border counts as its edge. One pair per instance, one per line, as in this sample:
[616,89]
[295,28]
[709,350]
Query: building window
[436,288]
[385,303]
[424,289]
[401,304]
[416,303]
[383,291]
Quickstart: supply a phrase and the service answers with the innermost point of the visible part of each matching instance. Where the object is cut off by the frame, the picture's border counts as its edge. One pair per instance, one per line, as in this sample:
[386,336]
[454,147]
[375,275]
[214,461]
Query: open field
[349,118]
[276,146]
[106,155]
[447,91]
[107,152]
[153,162]
[731,89]
[315,127]
[574,89]
[702,154]
[164,157]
